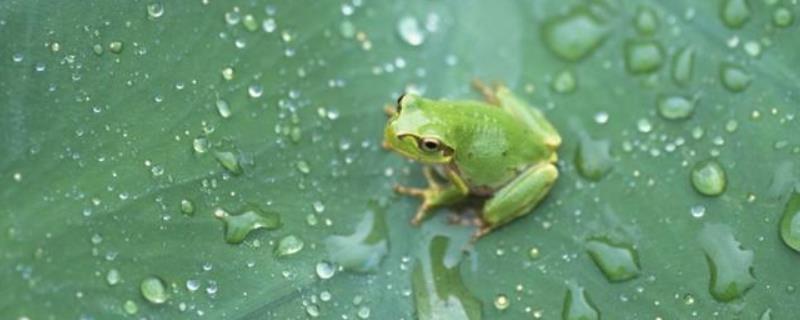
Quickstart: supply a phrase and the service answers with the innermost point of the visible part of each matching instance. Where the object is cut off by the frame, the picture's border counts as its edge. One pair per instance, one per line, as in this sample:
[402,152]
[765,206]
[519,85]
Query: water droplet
[130,307]
[154,290]
[227,73]
[229,161]
[410,31]
[187,207]
[155,10]
[734,78]
[618,261]
[289,245]
[675,107]
[303,167]
[115,46]
[644,125]
[318,206]
[501,302]
[766,315]
[601,117]
[233,17]
[325,270]
[237,227]
[269,25]
[735,13]
[534,253]
[698,211]
[192,285]
[364,312]
[255,90]
[593,157]
[643,56]
[312,310]
[575,35]
[200,145]
[790,222]
[564,82]
[708,178]
[363,250]
[112,277]
[753,48]
[437,299]
[646,20]
[578,305]
[249,22]
[223,108]
[688,299]
[730,265]
[683,65]
[782,17]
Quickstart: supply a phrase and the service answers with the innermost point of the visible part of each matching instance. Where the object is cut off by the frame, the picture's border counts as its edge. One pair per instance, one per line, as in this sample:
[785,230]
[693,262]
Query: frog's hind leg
[517,198]
[435,195]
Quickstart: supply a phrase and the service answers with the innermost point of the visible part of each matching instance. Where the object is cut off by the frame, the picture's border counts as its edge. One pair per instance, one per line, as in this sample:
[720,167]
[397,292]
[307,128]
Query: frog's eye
[400,102]
[430,144]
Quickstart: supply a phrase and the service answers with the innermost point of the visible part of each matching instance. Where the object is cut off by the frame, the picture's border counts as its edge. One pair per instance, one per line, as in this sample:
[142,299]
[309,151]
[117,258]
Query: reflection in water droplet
[237,227]
[734,78]
[154,290]
[593,157]
[683,65]
[575,35]
[643,56]
[410,31]
[708,178]
[675,107]
[618,261]
[439,292]
[735,13]
[730,265]
[363,250]
[790,222]
[578,305]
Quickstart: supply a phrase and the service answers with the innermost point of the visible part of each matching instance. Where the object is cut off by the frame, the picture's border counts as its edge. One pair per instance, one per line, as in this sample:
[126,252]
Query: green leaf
[126,125]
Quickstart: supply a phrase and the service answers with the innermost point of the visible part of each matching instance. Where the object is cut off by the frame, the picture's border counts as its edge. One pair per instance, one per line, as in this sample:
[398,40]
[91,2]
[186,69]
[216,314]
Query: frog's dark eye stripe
[399,100]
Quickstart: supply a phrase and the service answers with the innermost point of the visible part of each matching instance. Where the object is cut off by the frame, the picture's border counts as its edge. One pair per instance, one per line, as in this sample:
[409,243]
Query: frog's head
[415,132]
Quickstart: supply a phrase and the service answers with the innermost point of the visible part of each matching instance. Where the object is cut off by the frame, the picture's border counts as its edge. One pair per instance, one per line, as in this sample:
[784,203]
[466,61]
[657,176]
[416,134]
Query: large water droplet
[643,56]
[363,250]
[683,65]
[325,270]
[237,227]
[618,261]
[593,157]
[154,290]
[578,305]
[439,292]
[708,178]
[675,107]
[790,222]
[575,35]
[730,265]
[289,245]
[734,78]
[735,13]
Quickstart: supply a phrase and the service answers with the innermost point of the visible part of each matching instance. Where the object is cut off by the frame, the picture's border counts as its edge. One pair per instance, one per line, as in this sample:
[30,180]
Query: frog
[500,149]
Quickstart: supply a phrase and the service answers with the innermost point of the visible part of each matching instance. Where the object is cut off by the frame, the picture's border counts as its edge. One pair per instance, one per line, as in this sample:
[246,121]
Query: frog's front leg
[517,198]
[435,195]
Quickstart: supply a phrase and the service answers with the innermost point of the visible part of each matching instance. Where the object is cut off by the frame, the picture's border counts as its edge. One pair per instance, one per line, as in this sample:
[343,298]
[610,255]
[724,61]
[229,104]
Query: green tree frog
[502,149]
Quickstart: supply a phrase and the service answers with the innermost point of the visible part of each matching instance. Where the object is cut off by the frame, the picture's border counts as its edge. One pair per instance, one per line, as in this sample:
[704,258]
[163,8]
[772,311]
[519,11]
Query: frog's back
[492,146]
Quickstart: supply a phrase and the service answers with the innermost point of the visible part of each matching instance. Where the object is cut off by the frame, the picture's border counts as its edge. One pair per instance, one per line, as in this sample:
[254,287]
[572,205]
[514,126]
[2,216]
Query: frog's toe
[420,215]
[409,191]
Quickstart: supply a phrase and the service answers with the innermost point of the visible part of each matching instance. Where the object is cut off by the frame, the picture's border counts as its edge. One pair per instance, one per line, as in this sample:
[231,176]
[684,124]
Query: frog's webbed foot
[435,195]
[486,91]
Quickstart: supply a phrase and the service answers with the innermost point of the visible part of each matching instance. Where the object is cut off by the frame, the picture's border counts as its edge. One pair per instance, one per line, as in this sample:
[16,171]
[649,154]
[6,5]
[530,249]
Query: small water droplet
[734,78]
[643,56]
[303,167]
[227,73]
[730,265]
[708,178]
[187,207]
[675,107]
[255,90]
[269,25]
[534,253]
[575,35]
[192,285]
[683,65]
[233,17]
[646,20]
[325,270]
[790,222]
[618,261]
[364,312]
[601,117]
[223,108]
[229,161]
[155,10]
[578,305]
[501,302]
[312,310]
[115,46]
[782,17]
[593,157]
[698,211]
[735,13]
[237,227]
[410,31]
[564,82]
[200,145]
[154,290]
[130,307]
[112,277]
[289,245]
[644,125]
[249,22]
